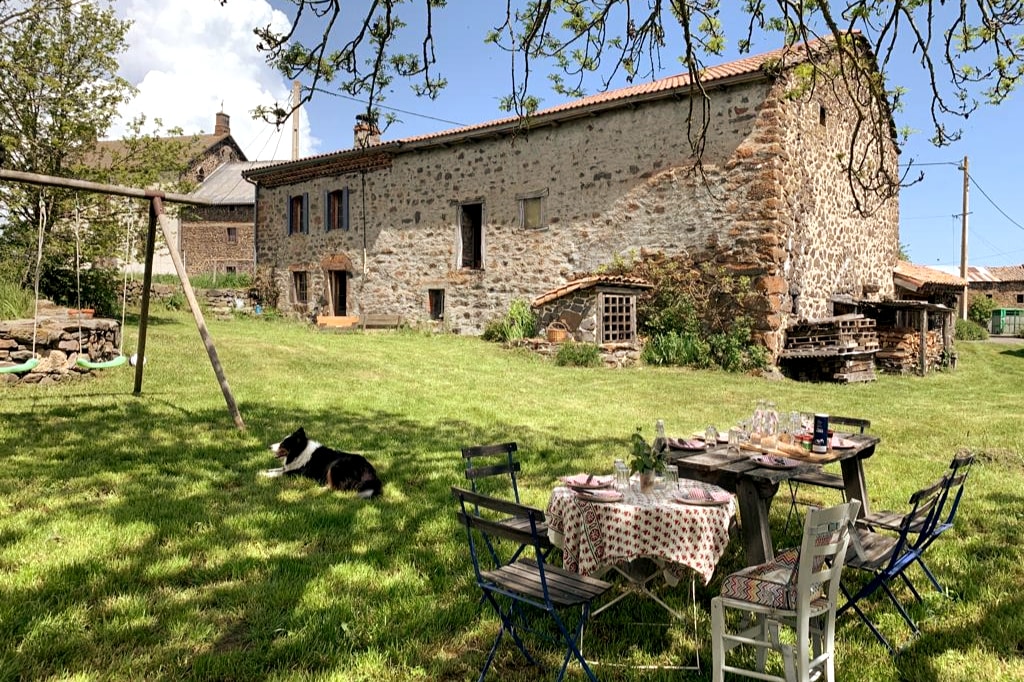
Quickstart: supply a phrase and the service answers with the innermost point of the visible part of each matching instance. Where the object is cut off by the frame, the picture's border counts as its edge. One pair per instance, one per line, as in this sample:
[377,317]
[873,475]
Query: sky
[190,58]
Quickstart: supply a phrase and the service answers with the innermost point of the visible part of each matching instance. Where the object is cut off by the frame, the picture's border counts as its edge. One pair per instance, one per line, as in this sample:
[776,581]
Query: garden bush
[969,330]
[576,354]
[518,323]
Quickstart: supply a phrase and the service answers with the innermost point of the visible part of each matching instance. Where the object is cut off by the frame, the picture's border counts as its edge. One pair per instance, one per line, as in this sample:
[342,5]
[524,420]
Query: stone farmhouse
[209,239]
[454,226]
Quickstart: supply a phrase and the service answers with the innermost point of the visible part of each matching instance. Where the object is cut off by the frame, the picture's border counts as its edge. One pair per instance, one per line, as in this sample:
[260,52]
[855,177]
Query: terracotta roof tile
[713,76]
[588,282]
[917,276]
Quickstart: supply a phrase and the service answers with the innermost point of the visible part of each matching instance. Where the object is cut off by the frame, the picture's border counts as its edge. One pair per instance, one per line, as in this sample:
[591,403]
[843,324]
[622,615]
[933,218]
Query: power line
[994,204]
[382,106]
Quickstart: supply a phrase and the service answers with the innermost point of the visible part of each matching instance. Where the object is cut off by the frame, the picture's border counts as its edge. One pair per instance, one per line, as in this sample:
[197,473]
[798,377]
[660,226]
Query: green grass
[138,542]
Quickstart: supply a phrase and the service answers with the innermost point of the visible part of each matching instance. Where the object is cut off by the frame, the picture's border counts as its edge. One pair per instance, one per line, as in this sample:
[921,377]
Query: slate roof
[587,283]
[226,185]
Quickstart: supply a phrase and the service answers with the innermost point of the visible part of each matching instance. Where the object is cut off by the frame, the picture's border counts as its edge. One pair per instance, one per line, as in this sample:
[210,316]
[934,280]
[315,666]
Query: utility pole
[963,243]
[296,95]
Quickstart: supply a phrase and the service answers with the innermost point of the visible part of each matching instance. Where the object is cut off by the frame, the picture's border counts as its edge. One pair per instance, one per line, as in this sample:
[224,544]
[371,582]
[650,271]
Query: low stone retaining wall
[612,354]
[57,346]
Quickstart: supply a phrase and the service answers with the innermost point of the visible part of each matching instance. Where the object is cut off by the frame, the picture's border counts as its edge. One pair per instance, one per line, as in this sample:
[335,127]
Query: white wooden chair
[797,589]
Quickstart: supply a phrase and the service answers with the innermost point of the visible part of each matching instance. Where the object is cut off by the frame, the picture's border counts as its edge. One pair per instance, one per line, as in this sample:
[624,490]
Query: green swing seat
[26,366]
[107,364]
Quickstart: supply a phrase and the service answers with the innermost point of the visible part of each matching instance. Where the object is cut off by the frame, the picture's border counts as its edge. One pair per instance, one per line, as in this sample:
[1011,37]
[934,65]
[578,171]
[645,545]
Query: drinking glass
[710,437]
[672,475]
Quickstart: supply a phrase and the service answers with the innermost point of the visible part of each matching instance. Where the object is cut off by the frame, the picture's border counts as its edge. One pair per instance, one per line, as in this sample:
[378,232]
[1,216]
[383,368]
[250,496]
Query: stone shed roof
[913,277]
[589,282]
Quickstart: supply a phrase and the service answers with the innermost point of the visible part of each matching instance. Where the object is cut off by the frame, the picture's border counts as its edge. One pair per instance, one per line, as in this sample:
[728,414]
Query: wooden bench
[380,321]
[364,322]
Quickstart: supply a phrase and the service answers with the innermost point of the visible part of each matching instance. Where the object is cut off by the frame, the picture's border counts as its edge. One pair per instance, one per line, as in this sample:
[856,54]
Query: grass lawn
[138,542]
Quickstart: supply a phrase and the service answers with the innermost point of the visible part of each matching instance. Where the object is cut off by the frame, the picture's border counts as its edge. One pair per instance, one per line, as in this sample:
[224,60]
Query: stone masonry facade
[772,203]
[218,239]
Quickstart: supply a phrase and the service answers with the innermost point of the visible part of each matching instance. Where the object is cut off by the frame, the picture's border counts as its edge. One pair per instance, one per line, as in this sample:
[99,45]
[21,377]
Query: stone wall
[58,343]
[1003,294]
[768,205]
[206,246]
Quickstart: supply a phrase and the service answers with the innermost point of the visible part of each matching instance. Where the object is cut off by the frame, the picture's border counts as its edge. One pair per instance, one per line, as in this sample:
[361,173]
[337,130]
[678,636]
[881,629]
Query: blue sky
[185,86]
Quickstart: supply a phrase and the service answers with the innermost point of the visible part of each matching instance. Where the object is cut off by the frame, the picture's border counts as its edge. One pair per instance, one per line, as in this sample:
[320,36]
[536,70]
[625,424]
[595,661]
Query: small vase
[647,479]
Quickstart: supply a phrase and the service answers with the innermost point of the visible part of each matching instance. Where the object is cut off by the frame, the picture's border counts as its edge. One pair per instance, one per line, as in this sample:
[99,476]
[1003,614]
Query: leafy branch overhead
[970,52]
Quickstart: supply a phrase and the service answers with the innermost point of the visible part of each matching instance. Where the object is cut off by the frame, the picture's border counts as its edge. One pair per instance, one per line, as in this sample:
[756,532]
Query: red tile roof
[591,281]
[914,277]
[751,67]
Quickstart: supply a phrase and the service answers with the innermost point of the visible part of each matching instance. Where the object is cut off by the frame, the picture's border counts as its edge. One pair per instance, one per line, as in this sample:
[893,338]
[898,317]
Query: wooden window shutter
[328,209]
[344,209]
[288,212]
[305,213]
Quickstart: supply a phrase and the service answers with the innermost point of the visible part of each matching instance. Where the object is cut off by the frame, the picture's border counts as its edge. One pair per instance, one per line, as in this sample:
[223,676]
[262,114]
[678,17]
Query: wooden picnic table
[755,486]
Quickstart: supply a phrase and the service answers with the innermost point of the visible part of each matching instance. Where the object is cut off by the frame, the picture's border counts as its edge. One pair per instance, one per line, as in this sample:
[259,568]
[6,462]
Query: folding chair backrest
[855,423]
[915,527]
[492,462]
[956,477]
[479,514]
[822,551]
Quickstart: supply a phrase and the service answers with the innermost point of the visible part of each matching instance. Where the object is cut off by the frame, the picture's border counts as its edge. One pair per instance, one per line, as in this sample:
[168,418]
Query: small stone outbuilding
[597,309]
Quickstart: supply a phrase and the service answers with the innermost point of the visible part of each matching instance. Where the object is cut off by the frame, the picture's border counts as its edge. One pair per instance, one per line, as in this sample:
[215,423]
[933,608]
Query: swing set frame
[157,216]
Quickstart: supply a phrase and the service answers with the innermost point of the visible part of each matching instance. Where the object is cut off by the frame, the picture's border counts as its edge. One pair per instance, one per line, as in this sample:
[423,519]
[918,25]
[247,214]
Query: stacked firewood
[901,348]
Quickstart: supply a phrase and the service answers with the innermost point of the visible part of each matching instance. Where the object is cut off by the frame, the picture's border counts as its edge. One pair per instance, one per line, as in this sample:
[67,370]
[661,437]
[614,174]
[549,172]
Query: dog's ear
[301,432]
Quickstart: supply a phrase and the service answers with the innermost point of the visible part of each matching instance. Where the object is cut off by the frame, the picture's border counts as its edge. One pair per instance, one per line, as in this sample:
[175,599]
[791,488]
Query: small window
[300,287]
[230,269]
[336,212]
[471,236]
[1020,298]
[298,214]
[436,298]
[822,114]
[232,235]
[531,213]
[618,322]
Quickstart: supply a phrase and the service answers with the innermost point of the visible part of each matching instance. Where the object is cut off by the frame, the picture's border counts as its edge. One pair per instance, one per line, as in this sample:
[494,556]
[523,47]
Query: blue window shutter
[327,212]
[288,212]
[344,209]
[305,213]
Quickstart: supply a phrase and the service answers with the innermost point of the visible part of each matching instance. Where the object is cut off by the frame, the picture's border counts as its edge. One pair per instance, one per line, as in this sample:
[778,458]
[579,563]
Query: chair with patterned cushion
[821,478]
[797,590]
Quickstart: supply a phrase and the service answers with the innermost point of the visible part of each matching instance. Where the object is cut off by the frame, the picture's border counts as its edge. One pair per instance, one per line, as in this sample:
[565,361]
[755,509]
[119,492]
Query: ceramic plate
[587,481]
[702,496]
[774,462]
[599,495]
[841,443]
[685,444]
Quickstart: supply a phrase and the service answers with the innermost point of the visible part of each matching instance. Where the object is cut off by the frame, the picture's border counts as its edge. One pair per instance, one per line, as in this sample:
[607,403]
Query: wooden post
[923,351]
[197,313]
[147,282]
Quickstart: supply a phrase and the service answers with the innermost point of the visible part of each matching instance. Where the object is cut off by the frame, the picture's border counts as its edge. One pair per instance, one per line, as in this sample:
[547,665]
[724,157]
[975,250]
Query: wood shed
[595,309]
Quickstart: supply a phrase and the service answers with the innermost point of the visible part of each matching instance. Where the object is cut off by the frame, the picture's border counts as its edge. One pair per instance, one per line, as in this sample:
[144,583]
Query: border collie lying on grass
[337,470]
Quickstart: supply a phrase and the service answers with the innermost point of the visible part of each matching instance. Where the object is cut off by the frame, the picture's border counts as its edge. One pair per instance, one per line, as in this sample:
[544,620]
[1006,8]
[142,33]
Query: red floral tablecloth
[594,536]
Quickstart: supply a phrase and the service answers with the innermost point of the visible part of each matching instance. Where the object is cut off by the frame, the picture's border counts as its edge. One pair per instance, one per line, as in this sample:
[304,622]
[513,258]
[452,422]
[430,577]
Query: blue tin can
[819,442]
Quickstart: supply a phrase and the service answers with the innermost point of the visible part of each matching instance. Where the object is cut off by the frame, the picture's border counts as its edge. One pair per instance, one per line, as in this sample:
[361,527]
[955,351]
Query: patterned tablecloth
[594,536]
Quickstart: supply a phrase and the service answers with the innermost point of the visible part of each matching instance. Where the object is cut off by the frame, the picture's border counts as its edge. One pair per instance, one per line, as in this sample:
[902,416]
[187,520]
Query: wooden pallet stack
[901,347]
[840,349]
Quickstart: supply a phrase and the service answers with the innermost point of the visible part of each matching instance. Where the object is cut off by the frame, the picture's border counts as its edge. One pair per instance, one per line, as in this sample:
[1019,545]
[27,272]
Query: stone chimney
[366,132]
[223,124]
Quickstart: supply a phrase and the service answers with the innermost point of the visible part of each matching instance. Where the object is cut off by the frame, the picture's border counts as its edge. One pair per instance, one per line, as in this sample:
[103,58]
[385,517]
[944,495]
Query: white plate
[774,462]
[599,495]
[587,482]
[702,497]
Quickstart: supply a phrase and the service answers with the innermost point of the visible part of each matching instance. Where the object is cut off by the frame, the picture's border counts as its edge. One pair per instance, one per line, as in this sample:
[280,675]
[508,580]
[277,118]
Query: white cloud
[190,58]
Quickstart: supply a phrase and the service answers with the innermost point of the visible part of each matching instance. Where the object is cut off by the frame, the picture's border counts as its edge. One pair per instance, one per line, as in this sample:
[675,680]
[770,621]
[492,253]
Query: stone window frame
[540,196]
[232,235]
[298,213]
[300,287]
[435,303]
[336,210]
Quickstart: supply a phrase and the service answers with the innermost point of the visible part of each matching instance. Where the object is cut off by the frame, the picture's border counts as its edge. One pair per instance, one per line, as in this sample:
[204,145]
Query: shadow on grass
[139,525]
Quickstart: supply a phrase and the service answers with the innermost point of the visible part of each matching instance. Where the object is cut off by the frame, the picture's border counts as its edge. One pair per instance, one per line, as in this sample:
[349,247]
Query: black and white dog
[337,470]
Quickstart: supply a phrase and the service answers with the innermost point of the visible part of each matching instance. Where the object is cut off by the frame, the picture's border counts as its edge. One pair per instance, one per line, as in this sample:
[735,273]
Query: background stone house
[203,156]
[454,226]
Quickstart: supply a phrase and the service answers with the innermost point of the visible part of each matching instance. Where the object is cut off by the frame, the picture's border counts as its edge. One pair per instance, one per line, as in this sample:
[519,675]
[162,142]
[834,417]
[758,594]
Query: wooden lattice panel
[618,321]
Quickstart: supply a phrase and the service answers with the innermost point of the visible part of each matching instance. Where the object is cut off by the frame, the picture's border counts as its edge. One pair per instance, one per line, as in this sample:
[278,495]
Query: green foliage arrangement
[645,458]
[518,323]
[969,330]
[577,354]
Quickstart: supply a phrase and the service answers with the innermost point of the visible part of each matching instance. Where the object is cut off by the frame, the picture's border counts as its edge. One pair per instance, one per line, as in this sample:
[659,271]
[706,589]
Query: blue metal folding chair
[528,584]
[887,556]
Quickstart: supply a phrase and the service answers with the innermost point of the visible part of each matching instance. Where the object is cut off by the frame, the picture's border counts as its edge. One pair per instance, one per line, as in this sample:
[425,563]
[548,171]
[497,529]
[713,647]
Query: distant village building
[454,226]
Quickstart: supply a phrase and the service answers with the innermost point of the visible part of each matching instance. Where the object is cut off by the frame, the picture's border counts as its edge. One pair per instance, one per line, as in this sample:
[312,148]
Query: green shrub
[673,348]
[575,354]
[969,330]
[96,288]
[980,310]
[518,323]
[16,302]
